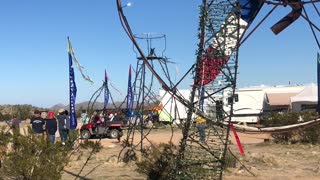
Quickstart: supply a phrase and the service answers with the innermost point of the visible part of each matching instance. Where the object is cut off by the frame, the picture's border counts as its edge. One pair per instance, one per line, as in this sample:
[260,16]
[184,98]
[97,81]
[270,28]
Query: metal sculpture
[222,29]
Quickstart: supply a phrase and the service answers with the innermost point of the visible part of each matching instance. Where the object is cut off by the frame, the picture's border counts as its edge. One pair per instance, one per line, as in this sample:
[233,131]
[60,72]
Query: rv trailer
[248,105]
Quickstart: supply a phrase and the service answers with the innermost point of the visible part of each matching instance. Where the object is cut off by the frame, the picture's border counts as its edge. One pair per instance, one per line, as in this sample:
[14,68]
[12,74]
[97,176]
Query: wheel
[85,134]
[114,133]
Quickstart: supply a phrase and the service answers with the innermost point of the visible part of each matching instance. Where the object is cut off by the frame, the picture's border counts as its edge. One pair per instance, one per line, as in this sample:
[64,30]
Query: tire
[85,134]
[114,134]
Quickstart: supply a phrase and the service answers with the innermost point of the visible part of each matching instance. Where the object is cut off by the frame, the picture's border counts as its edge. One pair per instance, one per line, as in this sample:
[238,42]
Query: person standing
[37,123]
[64,125]
[84,117]
[15,130]
[201,124]
[44,116]
[15,126]
[51,127]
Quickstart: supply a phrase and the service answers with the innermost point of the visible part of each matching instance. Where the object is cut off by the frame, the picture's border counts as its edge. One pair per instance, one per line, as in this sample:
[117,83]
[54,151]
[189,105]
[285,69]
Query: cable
[311,27]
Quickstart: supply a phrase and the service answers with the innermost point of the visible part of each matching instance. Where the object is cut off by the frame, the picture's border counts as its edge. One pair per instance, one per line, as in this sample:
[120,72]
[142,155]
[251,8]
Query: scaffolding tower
[215,70]
[144,86]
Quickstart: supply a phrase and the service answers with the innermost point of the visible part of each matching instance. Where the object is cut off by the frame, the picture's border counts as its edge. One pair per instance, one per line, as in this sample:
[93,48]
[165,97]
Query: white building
[253,102]
[249,106]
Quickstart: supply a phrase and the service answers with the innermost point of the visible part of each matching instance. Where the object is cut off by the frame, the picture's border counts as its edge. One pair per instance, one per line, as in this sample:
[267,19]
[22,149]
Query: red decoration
[210,66]
[237,139]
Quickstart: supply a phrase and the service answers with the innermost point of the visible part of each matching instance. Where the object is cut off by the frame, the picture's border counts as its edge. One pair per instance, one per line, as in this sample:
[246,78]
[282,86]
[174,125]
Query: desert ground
[264,160]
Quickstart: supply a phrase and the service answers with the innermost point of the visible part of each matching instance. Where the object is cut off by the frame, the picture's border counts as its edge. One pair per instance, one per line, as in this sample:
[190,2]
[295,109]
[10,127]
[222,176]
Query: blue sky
[33,46]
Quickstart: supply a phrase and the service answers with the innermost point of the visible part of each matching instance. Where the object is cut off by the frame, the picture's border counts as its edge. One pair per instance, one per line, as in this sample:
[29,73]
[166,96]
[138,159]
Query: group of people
[48,123]
[98,118]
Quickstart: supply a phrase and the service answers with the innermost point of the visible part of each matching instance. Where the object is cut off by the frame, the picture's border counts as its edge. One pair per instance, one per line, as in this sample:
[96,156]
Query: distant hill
[57,107]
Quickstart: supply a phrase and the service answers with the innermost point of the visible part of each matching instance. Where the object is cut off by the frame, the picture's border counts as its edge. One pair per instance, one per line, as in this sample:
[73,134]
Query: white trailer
[248,105]
[171,106]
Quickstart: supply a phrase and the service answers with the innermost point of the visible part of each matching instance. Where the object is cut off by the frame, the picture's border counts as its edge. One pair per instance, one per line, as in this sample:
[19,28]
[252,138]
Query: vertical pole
[318,79]
[142,104]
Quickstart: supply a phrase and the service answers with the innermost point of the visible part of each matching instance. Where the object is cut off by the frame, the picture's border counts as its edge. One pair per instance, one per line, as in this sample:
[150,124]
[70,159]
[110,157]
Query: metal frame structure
[221,32]
[144,85]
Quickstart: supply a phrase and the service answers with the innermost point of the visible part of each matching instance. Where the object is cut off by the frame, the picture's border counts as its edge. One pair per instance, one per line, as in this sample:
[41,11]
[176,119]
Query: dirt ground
[265,160]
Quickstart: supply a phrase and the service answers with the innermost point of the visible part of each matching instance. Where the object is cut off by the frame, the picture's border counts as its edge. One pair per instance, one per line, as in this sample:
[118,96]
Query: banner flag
[80,68]
[73,90]
[130,97]
[106,90]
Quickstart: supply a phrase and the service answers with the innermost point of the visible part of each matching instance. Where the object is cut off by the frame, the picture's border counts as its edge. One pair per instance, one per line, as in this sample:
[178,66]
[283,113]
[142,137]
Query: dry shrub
[159,162]
[129,156]
[230,161]
[263,158]
[94,145]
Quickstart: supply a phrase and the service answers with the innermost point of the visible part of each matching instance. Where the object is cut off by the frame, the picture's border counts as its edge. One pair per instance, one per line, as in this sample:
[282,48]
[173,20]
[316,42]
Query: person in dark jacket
[64,125]
[51,127]
[37,123]
[15,124]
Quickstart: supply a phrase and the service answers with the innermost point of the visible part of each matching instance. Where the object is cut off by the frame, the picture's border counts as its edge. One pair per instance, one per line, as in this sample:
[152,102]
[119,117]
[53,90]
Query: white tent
[308,96]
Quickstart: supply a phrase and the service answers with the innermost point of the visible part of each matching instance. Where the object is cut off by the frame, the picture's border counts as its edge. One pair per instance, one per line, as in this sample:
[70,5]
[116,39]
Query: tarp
[308,96]
[280,99]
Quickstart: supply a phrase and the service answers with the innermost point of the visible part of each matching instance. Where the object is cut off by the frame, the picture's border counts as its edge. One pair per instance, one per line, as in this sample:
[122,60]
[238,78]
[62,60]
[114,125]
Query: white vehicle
[248,105]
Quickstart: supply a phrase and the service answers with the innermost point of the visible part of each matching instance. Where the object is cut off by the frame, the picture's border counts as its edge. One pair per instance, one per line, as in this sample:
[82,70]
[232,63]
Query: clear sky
[33,46]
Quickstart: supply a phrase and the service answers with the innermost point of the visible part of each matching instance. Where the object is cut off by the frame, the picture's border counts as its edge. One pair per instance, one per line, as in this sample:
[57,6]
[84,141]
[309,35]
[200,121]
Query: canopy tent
[280,99]
[308,96]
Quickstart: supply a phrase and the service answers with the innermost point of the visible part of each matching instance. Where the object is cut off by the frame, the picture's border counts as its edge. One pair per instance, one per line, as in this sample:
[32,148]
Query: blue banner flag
[318,79]
[73,90]
[130,97]
[106,90]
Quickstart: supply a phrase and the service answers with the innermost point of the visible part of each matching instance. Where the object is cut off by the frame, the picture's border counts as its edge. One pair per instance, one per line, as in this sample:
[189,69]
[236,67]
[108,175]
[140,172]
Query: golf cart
[108,128]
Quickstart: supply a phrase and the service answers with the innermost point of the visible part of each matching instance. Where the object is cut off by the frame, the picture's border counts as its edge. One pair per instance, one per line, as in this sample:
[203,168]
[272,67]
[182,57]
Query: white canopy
[308,96]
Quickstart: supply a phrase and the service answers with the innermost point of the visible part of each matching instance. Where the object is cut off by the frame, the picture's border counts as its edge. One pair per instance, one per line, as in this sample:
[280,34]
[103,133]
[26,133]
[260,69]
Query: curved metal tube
[296,6]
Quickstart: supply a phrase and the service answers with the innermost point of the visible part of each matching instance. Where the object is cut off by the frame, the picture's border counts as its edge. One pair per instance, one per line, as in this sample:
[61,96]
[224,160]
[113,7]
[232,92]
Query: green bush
[4,117]
[282,119]
[306,135]
[310,134]
[33,157]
